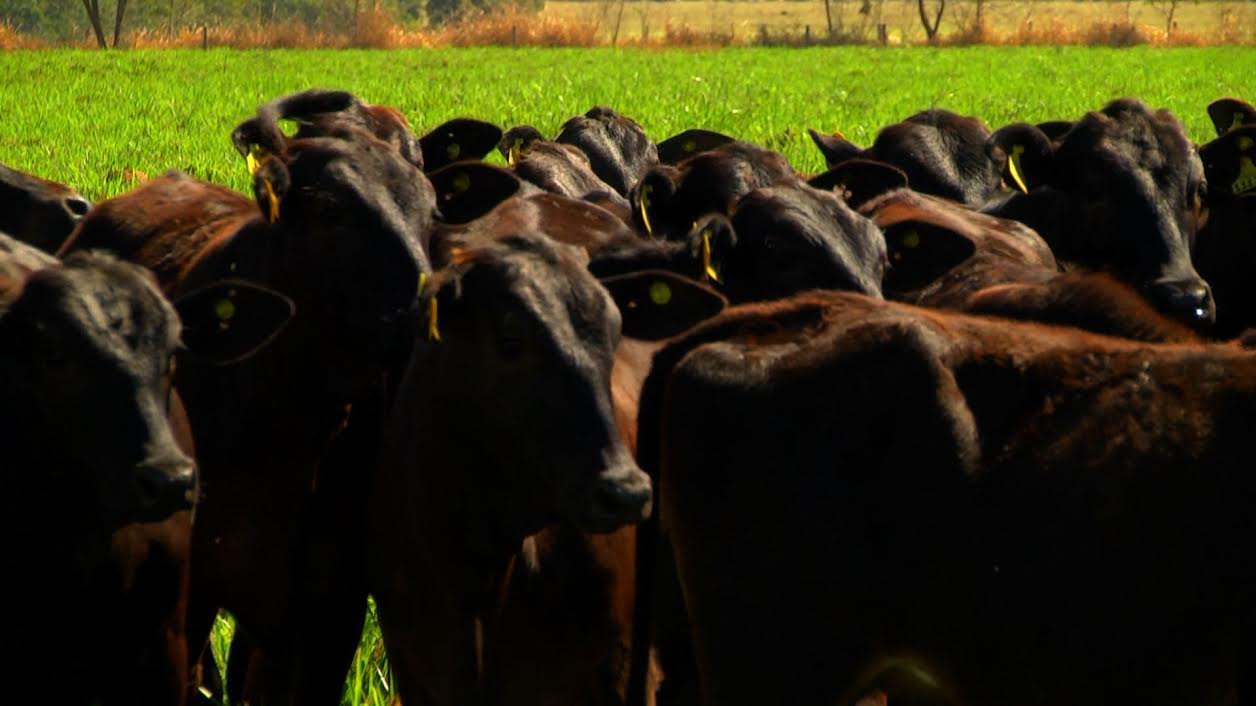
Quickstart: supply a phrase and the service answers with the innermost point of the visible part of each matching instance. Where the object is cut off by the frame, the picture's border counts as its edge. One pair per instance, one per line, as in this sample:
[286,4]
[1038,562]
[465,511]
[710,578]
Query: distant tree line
[68,20]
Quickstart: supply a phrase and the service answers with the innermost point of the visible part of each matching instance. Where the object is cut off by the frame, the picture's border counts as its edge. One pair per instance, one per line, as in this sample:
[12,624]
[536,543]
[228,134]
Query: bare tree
[1168,8]
[93,14]
[117,21]
[828,16]
[931,31]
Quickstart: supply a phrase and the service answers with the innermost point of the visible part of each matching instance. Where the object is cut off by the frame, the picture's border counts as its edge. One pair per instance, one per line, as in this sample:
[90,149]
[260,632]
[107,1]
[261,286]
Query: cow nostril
[76,205]
[164,488]
[615,499]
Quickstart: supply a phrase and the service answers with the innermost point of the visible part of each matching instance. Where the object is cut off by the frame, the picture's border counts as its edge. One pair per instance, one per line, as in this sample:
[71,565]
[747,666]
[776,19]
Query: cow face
[37,211]
[1119,192]
[792,237]
[350,219]
[618,150]
[85,366]
[526,342]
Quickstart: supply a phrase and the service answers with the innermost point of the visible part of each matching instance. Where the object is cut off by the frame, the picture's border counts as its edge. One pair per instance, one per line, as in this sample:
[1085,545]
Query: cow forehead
[117,310]
[1132,142]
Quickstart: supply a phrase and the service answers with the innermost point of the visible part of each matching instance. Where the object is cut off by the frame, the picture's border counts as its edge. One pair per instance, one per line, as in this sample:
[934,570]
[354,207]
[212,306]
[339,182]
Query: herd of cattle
[962,420]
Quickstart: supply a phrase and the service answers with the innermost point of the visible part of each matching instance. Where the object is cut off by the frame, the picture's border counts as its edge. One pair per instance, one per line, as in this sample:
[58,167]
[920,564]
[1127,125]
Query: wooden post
[763,34]
[514,35]
[204,36]
[806,35]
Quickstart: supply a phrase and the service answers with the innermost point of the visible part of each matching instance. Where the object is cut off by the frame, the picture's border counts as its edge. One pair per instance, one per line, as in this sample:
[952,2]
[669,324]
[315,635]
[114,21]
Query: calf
[37,211]
[1224,253]
[942,153]
[1120,192]
[1060,490]
[339,224]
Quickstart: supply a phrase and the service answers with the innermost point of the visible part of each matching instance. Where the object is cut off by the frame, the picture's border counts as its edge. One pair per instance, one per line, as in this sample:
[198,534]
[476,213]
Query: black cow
[1224,252]
[942,153]
[37,211]
[96,486]
[1122,192]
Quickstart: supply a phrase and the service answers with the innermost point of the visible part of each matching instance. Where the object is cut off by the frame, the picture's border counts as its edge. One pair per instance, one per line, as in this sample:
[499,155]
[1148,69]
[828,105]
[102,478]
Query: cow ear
[688,143]
[860,180]
[467,190]
[657,304]
[516,141]
[456,140]
[835,148]
[231,320]
[711,240]
[1230,161]
[650,196]
[919,253]
[1026,155]
[1230,113]
[270,185]
[1055,129]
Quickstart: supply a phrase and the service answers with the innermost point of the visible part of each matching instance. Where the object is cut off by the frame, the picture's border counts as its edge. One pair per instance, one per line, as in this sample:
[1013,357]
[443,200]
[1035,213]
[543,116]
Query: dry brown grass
[715,23]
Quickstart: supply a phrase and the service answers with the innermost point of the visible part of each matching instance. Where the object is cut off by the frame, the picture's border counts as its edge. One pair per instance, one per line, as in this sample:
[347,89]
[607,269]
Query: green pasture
[92,119]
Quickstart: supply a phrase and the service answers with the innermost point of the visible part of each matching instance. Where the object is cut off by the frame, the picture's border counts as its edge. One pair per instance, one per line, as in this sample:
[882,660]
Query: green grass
[87,117]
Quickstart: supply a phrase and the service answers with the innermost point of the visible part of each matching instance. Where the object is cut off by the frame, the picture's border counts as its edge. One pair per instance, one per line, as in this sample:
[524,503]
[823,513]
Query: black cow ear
[1055,129]
[711,240]
[270,184]
[457,140]
[835,148]
[467,190]
[1230,113]
[650,196]
[919,253]
[516,141]
[1026,155]
[688,143]
[1230,161]
[860,180]
[231,320]
[657,304]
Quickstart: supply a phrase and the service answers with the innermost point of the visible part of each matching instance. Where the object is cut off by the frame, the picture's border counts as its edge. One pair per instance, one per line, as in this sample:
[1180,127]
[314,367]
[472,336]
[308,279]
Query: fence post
[204,37]
[763,34]
[883,34]
[514,35]
[806,35]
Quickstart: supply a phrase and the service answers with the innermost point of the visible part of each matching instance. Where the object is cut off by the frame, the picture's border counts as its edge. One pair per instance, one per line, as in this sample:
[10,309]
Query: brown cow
[339,225]
[37,211]
[999,512]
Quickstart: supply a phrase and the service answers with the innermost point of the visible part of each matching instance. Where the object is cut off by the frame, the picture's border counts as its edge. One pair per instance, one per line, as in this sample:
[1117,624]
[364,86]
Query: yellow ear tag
[1237,122]
[462,182]
[911,239]
[1014,166]
[254,158]
[433,329]
[707,266]
[272,200]
[689,146]
[838,134]
[225,310]
[516,148]
[646,190]
[660,293]
[453,150]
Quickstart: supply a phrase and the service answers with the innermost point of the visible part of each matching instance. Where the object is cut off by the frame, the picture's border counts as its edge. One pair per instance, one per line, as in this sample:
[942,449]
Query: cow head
[792,237]
[36,211]
[1121,192]
[518,341]
[618,149]
[85,368]
[668,199]
[349,218]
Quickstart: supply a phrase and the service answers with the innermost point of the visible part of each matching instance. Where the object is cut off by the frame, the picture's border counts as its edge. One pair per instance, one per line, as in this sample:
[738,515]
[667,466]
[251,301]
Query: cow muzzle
[620,496]
[163,487]
[1188,300]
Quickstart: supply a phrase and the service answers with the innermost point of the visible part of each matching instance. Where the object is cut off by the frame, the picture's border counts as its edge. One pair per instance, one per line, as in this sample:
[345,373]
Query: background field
[95,120]
[100,120]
